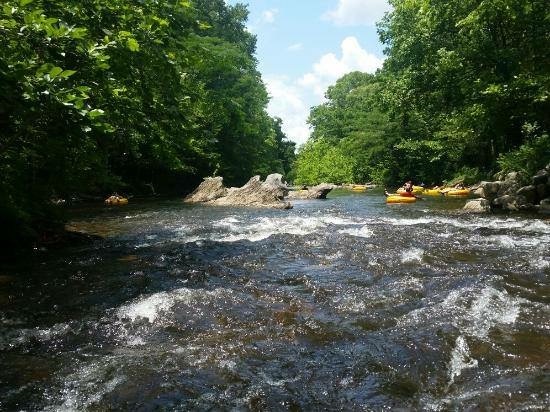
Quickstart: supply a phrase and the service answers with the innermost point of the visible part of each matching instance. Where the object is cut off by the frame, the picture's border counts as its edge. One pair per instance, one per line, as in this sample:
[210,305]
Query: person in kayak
[408,187]
[407,190]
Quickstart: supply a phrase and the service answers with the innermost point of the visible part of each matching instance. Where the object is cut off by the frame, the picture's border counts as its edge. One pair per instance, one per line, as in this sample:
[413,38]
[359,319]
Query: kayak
[116,200]
[417,190]
[358,188]
[458,192]
[432,192]
[396,198]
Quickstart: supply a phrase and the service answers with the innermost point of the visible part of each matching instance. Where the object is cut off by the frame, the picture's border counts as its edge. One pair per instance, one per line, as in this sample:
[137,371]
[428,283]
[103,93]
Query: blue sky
[303,46]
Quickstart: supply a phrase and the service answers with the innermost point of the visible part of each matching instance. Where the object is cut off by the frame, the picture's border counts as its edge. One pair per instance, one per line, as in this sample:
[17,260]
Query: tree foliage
[464,85]
[101,95]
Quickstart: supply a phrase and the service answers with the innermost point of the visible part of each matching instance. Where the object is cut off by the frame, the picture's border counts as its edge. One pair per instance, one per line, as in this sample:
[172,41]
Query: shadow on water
[345,303]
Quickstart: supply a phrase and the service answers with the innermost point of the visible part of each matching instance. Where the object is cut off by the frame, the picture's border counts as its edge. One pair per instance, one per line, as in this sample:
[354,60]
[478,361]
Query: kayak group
[408,192]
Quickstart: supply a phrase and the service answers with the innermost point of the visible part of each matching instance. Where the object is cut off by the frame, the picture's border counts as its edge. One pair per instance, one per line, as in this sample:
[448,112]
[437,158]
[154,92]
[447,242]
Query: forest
[464,93]
[140,97]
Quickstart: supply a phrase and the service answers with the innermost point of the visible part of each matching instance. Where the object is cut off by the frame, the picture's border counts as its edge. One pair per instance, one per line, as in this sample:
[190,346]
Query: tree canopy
[464,91]
[105,95]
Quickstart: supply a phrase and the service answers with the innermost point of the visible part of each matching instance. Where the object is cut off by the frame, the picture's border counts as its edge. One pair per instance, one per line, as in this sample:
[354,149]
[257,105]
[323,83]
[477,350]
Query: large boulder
[257,194]
[529,192]
[488,190]
[545,206]
[477,206]
[210,189]
[509,194]
[542,191]
[276,179]
[315,192]
[511,202]
[541,177]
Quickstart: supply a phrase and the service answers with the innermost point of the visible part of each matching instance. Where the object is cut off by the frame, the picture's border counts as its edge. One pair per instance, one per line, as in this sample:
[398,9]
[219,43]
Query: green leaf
[54,72]
[8,10]
[67,73]
[78,33]
[95,113]
[132,44]
[23,3]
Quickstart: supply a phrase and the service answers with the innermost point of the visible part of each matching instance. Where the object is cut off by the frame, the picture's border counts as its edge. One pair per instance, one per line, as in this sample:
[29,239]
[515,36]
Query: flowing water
[344,304]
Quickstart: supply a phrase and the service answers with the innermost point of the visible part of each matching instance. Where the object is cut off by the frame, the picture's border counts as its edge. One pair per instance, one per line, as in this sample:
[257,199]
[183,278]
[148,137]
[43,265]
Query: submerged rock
[315,192]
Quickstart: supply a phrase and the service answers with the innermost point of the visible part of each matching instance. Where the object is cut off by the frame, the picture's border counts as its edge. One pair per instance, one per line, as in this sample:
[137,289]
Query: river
[342,304]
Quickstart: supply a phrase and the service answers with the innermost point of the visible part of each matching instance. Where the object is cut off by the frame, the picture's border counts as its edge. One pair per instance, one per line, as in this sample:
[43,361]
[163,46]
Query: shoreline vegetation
[112,97]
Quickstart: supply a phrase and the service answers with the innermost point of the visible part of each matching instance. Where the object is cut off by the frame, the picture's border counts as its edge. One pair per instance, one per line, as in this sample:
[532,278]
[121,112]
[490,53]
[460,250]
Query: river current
[342,304]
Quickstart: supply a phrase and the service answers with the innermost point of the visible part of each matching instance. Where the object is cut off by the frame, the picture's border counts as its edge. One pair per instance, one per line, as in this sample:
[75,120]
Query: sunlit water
[340,304]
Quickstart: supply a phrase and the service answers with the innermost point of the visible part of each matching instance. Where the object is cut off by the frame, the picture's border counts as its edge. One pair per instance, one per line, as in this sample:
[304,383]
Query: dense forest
[464,93]
[135,96]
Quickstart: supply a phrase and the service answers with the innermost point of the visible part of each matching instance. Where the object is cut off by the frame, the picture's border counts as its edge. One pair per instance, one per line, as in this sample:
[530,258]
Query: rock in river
[315,192]
[255,193]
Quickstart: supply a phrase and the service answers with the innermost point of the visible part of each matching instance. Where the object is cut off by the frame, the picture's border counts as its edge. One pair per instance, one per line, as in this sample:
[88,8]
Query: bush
[530,156]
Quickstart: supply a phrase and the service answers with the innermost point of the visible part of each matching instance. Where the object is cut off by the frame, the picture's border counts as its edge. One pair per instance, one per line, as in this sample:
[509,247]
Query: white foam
[151,307]
[266,227]
[230,223]
[492,307]
[412,255]
[471,311]
[160,304]
[541,263]
[470,222]
[351,304]
[510,242]
[86,386]
[460,359]
[363,231]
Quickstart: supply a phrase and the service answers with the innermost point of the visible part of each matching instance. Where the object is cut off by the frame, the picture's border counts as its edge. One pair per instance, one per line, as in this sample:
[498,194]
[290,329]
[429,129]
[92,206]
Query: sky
[304,46]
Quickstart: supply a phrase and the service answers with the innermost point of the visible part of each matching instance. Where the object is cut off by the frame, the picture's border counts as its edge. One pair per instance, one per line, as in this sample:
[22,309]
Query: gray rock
[477,206]
[275,179]
[542,191]
[210,189]
[512,177]
[545,206]
[529,192]
[255,193]
[510,202]
[540,178]
[488,190]
[315,192]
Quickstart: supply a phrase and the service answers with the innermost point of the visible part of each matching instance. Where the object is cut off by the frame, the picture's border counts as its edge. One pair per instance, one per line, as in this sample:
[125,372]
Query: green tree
[100,95]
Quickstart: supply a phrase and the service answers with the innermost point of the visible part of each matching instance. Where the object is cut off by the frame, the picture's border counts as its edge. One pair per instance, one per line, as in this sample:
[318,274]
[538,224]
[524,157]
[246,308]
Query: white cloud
[288,103]
[330,68]
[268,16]
[357,12]
[291,99]
[295,47]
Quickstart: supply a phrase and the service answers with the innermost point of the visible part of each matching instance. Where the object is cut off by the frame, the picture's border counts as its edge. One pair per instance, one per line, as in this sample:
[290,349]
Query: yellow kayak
[432,192]
[458,192]
[396,198]
[358,188]
[417,190]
